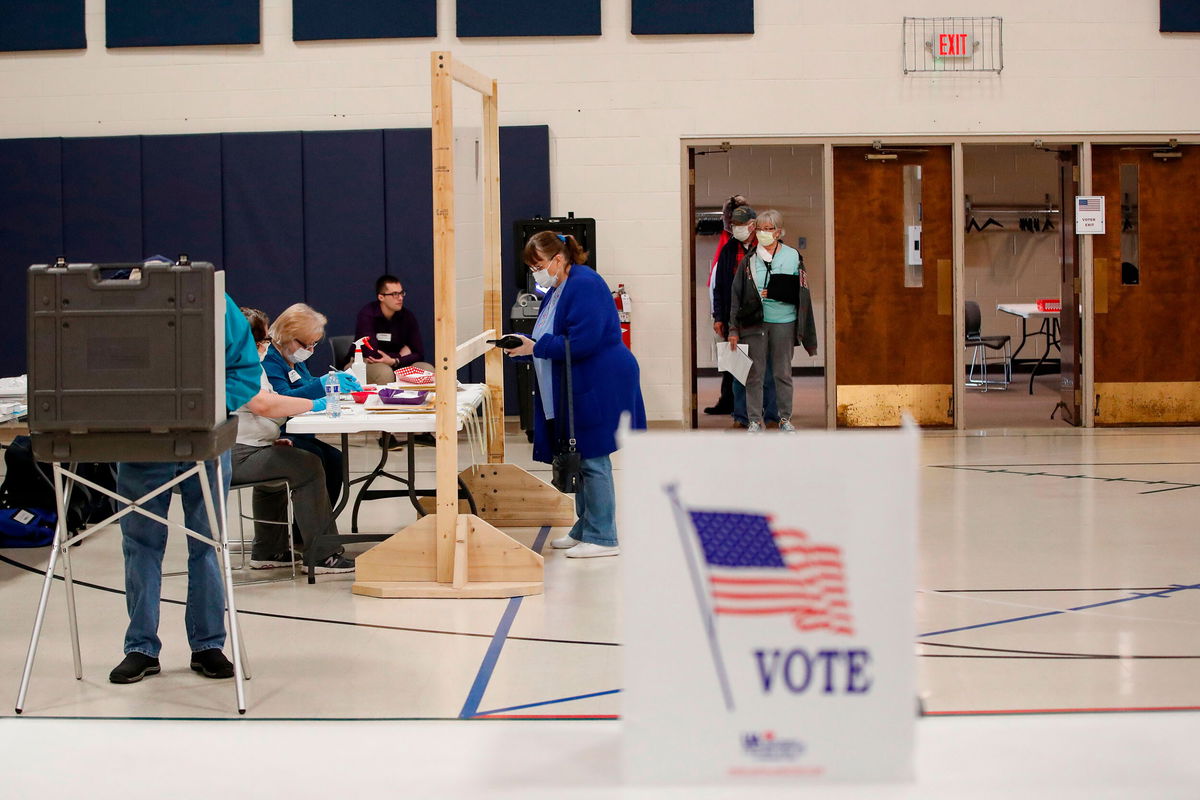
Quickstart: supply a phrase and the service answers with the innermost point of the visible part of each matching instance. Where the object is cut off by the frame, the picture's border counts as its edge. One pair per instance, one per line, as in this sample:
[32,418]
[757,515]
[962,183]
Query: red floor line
[1002,711]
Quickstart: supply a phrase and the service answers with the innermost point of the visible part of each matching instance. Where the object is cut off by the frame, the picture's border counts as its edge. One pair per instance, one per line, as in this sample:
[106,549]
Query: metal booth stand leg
[63,541]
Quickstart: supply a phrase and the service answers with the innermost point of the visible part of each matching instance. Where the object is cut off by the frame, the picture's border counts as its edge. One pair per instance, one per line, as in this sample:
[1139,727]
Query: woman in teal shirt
[770,326]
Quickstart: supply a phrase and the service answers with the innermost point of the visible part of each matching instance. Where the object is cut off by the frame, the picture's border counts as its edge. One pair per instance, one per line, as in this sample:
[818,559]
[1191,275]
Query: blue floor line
[484,675]
[1161,594]
[547,702]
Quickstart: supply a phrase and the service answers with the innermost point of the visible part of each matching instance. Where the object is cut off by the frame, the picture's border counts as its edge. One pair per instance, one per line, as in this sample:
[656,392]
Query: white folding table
[1048,327]
[376,416]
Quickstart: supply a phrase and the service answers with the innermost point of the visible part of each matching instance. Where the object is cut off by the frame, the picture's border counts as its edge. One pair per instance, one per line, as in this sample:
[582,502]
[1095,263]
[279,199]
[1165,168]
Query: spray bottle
[358,368]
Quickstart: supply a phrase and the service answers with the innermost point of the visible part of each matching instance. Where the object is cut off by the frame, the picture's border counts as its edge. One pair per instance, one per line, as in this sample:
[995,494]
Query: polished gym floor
[1059,571]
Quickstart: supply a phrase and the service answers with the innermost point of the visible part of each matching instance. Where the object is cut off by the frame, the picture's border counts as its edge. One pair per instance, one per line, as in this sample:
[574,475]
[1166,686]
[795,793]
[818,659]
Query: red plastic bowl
[361,397]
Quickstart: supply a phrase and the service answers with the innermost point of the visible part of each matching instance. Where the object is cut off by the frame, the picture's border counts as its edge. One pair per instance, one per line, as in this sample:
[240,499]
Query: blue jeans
[144,541]
[770,407]
[596,504]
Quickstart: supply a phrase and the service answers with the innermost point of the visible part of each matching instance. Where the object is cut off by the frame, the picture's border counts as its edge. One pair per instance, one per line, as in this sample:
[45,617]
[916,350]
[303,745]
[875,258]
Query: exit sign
[953,45]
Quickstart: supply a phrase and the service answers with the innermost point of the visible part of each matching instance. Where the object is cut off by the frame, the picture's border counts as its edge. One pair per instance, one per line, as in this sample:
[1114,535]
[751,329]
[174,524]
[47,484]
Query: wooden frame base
[487,563]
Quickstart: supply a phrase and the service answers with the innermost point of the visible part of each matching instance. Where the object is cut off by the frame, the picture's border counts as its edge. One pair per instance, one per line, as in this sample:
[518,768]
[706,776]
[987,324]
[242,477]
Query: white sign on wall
[768,597]
[1089,214]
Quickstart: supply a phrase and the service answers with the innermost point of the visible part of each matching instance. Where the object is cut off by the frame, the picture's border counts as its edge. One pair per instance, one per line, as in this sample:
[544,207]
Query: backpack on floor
[28,487]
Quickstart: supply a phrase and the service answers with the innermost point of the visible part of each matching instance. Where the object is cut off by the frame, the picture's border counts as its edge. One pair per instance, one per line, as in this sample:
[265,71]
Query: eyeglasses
[307,346]
[393,295]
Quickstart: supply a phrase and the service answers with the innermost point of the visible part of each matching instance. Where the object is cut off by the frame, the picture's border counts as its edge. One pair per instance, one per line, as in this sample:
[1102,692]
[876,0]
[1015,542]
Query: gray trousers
[774,342]
[310,500]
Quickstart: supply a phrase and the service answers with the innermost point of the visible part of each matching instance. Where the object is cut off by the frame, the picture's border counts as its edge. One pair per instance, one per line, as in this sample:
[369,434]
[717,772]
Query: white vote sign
[768,606]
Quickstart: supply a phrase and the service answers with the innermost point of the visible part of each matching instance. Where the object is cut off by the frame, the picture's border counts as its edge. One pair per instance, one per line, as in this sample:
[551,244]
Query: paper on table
[735,362]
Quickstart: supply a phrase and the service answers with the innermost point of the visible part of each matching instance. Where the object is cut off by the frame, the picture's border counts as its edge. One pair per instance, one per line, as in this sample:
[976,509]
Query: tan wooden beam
[445,312]
[472,78]
[493,260]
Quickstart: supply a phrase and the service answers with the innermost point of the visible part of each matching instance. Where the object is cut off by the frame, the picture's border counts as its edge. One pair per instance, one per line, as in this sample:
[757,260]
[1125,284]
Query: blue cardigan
[277,370]
[604,376]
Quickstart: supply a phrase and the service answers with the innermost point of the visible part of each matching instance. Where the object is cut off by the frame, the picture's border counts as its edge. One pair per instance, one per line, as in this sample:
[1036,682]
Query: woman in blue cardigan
[604,376]
[295,334]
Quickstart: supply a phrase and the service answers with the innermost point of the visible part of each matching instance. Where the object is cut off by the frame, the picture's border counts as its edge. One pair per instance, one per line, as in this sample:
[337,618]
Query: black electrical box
[582,228]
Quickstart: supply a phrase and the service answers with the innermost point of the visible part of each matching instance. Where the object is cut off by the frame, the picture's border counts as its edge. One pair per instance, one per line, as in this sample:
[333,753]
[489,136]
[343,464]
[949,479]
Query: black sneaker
[333,564]
[284,559]
[719,409]
[135,667]
[212,663]
[390,442]
[425,439]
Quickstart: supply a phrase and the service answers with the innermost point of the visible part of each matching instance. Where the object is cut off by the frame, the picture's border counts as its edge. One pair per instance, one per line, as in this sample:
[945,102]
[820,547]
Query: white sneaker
[593,550]
[563,542]
[786,426]
[754,427]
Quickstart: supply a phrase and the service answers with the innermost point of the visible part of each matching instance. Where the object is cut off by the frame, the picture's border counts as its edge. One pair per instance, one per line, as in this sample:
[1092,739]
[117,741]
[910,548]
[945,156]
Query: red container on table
[1049,304]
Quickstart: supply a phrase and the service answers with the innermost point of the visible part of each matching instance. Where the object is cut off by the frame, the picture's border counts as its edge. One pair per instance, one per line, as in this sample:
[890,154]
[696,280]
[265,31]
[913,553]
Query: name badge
[383,337]
[293,376]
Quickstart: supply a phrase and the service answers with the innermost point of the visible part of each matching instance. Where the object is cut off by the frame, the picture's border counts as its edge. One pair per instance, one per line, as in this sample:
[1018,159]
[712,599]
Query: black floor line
[274,615]
[1005,652]
[1171,485]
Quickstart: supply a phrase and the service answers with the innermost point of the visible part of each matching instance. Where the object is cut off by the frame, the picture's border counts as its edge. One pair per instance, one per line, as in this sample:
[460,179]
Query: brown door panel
[1149,333]
[889,334]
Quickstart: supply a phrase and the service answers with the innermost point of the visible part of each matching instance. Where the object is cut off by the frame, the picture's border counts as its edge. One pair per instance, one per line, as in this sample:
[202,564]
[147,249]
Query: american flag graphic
[755,570]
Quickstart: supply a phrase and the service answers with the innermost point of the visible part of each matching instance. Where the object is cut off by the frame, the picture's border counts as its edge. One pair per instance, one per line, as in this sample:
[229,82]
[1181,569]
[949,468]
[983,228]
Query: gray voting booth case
[126,362]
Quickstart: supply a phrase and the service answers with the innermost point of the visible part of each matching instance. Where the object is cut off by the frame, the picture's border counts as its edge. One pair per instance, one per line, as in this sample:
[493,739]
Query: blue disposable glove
[348,383]
[319,404]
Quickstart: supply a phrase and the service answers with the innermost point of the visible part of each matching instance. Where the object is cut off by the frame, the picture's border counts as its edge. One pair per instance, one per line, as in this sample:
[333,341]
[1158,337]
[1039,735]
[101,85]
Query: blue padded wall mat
[408,222]
[42,25]
[1179,16]
[31,230]
[171,23]
[524,194]
[344,249]
[263,211]
[667,17]
[102,198]
[363,19]
[181,197]
[528,18]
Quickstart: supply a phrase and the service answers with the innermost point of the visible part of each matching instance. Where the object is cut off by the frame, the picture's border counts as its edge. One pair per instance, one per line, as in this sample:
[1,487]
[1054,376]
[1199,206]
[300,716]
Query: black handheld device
[507,342]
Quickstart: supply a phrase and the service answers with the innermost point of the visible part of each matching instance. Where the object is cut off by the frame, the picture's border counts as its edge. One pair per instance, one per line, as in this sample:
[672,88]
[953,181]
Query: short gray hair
[772,217]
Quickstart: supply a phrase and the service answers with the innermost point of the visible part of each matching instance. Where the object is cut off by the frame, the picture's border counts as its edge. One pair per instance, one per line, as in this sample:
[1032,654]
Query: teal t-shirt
[785,262]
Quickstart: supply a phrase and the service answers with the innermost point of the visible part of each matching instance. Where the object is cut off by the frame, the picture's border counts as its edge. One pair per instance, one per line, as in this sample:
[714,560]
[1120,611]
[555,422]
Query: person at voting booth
[295,335]
[261,455]
[579,309]
[144,540]
[770,311]
[394,337]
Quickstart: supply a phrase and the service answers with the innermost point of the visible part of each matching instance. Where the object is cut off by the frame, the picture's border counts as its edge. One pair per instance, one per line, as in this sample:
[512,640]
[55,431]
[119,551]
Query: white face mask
[301,354]
[741,232]
[765,238]
[544,279]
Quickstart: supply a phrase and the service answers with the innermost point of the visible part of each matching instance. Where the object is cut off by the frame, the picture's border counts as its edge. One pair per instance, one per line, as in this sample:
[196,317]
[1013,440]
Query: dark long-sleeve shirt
[727,260]
[391,335]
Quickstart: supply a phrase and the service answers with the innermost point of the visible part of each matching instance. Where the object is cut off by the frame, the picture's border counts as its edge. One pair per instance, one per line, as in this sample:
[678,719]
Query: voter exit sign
[953,45]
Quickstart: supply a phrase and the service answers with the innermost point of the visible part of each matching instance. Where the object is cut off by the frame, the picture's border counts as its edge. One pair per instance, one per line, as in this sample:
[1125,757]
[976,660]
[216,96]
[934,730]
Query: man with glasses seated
[394,339]
[394,336]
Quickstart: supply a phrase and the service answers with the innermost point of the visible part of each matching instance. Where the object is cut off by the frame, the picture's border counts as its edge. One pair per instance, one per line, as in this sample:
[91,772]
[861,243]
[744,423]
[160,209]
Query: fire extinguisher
[624,313]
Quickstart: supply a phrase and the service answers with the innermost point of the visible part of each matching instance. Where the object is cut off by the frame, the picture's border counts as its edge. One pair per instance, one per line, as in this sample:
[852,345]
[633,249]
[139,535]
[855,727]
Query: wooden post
[445,311]
[492,306]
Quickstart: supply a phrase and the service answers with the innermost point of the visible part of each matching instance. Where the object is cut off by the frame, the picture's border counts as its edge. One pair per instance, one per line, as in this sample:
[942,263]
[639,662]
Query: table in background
[375,416]
[1048,327]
